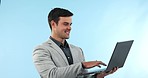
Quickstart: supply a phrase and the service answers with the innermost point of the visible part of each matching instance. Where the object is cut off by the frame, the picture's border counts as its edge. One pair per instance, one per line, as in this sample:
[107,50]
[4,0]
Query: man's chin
[67,38]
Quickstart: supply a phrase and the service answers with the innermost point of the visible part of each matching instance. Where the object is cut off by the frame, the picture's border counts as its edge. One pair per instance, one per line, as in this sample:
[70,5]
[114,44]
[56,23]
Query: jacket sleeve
[47,69]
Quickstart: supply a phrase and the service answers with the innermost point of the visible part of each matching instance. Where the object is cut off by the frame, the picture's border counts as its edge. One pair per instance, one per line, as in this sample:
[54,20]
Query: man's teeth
[67,32]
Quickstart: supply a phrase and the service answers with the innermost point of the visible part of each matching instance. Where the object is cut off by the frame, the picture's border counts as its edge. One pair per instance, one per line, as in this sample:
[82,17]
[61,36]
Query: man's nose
[69,27]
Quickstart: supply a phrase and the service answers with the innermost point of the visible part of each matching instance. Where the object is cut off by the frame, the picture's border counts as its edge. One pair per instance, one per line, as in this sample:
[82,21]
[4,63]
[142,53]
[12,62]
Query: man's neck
[59,39]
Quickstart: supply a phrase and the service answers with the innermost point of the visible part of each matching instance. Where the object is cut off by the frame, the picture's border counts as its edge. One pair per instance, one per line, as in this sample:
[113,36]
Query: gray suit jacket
[51,62]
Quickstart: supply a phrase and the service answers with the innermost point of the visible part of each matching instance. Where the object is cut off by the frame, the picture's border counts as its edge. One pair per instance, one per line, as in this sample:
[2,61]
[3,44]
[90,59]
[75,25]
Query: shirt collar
[59,43]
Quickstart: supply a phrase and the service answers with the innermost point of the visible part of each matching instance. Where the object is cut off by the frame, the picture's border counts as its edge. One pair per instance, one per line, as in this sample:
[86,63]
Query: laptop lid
[119,55]
[117,59]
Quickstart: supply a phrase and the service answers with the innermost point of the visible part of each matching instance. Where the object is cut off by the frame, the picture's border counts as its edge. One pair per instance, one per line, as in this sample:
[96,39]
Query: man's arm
[47,68]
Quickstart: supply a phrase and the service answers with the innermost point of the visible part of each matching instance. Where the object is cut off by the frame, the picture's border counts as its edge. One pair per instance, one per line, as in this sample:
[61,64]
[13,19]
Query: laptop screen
[120,54]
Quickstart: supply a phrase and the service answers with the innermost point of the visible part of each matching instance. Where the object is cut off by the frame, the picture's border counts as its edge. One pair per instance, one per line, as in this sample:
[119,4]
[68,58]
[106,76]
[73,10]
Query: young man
[56,58]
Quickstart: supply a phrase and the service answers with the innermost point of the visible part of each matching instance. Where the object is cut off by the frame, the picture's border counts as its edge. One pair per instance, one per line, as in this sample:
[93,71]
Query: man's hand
[91,64]
[103,74]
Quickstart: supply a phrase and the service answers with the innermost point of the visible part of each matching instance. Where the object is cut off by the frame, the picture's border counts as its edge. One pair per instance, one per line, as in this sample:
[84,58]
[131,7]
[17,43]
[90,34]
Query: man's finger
[99,66]
[100,62]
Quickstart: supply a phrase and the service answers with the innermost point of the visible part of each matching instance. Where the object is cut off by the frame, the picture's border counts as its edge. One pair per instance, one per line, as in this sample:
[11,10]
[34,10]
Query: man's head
[60,21]
[56,13]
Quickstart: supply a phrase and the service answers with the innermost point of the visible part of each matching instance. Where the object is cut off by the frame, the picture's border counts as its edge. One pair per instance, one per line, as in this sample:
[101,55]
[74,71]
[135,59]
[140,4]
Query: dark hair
[55,13]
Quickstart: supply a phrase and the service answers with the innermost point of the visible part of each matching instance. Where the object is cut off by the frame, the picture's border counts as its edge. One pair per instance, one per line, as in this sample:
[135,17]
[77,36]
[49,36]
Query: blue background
[97,26]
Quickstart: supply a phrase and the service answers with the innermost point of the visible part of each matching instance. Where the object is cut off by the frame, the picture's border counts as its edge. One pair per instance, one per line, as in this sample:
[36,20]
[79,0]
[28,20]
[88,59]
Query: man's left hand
[103,74]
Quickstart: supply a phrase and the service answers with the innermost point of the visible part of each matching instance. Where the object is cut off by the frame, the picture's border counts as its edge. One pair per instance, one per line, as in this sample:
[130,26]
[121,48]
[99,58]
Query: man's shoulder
[42,45]
[74,46]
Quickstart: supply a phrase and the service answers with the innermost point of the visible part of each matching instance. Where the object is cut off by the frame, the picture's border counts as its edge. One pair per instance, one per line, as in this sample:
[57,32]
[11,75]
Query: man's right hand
[91,64]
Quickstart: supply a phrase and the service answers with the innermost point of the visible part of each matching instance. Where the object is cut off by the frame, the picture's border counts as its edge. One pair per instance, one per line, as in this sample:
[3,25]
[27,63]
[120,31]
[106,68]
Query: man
[56,58]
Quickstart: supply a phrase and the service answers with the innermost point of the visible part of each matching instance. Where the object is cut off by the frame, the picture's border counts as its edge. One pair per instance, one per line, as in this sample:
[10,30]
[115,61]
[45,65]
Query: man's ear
[53,24]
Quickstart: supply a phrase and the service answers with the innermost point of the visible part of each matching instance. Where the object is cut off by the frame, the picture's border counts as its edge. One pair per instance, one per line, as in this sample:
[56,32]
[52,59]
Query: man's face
[62,29]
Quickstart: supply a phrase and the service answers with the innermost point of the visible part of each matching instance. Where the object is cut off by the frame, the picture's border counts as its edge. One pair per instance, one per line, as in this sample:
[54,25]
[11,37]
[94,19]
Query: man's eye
[65,24]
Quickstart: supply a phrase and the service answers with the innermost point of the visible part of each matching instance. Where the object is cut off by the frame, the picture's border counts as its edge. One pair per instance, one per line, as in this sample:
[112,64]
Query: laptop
[117,59]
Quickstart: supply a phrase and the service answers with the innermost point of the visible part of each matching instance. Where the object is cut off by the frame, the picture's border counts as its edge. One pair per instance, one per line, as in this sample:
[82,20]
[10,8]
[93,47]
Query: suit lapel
[74,53]
[58,49]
